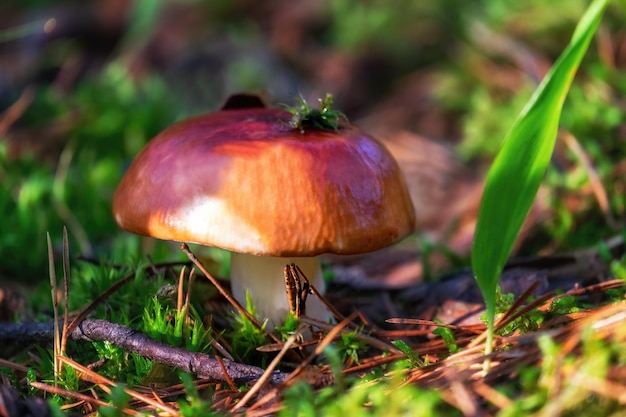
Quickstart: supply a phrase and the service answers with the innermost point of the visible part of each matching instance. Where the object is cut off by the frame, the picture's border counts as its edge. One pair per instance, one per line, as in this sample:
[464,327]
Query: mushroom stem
[263,278]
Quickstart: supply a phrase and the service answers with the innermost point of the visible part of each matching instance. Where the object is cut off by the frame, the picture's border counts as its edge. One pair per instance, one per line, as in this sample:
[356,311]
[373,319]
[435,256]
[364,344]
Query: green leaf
[516,173]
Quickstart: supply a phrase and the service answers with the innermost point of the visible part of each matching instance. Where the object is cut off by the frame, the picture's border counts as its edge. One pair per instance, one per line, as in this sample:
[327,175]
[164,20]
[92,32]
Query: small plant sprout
[413,359]
[516,174]
[306,117]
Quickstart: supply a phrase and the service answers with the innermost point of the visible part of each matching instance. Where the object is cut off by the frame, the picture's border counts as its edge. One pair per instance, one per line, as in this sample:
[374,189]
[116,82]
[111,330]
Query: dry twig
[131,340]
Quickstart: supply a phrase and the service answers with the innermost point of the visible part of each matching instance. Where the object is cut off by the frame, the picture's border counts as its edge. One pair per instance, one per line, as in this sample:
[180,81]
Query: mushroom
[245,180]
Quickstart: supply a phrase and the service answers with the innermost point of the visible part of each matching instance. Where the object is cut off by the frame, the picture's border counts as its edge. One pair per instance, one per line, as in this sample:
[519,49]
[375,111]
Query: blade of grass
[66,289]
[55,305]
[514,178]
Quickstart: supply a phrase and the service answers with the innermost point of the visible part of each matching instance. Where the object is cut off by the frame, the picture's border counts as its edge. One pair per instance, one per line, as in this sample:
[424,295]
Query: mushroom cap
[246,181]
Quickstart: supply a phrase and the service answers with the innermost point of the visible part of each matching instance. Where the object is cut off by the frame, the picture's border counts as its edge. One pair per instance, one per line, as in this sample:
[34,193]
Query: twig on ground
[77,396]
[226,294]
[206,366]
[270,369]
[105,384]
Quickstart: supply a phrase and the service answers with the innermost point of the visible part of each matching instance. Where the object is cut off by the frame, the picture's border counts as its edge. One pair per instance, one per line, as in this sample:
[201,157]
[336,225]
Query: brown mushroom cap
[245,181]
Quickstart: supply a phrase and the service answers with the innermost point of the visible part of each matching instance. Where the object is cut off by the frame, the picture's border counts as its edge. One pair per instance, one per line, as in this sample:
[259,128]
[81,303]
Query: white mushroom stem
[263,278]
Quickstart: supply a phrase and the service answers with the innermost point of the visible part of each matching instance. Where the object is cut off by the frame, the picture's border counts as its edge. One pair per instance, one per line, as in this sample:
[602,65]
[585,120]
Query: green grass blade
[516,173]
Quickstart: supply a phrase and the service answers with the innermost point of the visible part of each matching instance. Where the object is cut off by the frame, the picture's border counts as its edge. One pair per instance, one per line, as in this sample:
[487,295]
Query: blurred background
[85,84]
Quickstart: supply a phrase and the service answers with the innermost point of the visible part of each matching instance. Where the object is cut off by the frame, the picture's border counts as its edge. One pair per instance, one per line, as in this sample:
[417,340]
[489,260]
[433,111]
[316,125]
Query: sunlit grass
[111,115]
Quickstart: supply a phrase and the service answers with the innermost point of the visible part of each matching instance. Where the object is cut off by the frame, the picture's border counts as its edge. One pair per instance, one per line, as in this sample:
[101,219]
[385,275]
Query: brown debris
[458,376]
[13,405]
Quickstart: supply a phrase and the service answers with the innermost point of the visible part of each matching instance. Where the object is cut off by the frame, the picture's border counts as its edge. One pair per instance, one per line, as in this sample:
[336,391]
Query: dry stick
[459,394]
[128,339]
[510,315]
[229,381]
[327,340]
[187,303]
[590,289]
[320,296]
[225,293]
[268,411]
[192,274]
[12,365]
[181,280]
[108,382]
[492,395]
[512,358]
[85,312]
[220,405]
[152,264]
[609,317]
[319,349]
[179,300]
[338,316]
[155,396]
[219,287]
[177,389]
[377,360]
[377,343]
[544,300]
[422,322]
[517,303]
[513,313]
[276,347]
[543,303]
[270,369]
[221,349]
[77,396]
[138,343]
